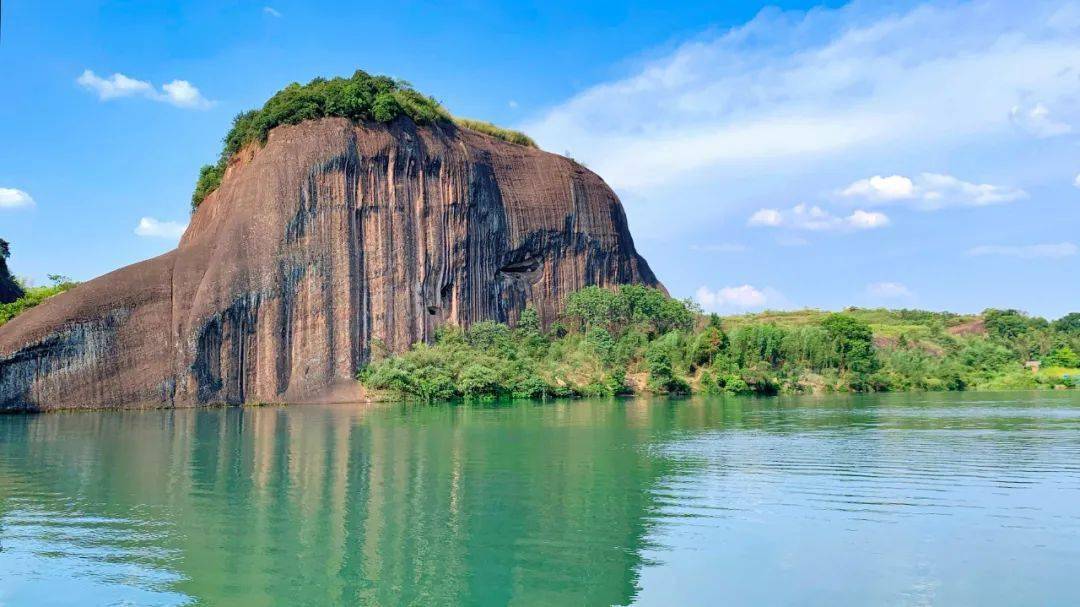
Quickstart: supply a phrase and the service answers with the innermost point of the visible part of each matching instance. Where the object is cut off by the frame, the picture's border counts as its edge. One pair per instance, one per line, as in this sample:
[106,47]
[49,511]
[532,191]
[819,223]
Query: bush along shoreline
[636,340]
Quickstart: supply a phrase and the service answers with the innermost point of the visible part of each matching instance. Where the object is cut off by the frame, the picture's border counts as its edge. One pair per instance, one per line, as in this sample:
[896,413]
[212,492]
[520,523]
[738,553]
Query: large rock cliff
[332,239]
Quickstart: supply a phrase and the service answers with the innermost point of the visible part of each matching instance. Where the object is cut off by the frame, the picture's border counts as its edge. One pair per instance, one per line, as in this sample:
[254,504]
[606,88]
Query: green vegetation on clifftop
[33,296]
[637,340]
[360,97]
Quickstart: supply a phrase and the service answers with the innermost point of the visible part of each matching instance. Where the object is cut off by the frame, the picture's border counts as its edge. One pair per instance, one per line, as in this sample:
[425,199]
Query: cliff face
[331,240]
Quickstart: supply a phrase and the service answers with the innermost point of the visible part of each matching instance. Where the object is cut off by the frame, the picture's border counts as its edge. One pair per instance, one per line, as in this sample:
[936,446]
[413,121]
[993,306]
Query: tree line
[635,339]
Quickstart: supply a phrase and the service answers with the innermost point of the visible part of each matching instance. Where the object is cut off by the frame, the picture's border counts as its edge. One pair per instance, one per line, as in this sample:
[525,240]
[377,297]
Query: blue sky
[796,154]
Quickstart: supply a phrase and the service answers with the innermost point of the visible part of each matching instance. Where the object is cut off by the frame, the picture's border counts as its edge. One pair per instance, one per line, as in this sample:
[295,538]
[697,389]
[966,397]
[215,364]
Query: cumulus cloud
[153,228]
[766,217]
[929,191]
[117,85]
[791,85]
[814,218]
[742,298]
[271,11]
[11,198]
[878,188]
[1076,182]
[180,93]
[1033,251]
[888,290]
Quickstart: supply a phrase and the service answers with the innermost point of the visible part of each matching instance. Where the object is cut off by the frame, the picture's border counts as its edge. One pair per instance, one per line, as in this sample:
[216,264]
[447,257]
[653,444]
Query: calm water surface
[899,500]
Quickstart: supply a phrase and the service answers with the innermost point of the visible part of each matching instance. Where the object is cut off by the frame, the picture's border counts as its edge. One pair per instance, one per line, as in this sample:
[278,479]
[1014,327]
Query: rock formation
[9,289]
[332,239]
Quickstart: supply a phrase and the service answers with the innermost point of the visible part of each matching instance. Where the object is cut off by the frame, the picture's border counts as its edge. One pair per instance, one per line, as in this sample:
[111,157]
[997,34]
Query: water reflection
[902,499]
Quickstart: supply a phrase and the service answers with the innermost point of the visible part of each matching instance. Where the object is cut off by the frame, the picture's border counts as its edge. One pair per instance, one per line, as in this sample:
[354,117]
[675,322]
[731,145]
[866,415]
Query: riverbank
[636,340]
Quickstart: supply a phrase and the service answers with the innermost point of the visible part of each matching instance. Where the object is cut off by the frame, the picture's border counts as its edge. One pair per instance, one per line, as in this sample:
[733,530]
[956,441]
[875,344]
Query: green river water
[950,499]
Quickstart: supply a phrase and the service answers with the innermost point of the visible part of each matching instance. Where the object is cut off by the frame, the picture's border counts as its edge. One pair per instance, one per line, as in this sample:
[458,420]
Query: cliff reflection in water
[543,503]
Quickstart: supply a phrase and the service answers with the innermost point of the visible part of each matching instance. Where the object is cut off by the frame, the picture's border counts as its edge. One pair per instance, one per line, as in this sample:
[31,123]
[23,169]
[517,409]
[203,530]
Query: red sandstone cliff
[329,237]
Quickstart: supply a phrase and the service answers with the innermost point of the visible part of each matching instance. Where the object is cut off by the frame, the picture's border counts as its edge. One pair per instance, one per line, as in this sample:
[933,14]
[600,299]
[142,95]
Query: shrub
[1063,357]
[479,381]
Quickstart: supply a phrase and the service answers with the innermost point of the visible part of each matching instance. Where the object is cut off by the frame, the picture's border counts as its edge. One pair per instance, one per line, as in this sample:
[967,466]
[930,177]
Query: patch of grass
[496,131]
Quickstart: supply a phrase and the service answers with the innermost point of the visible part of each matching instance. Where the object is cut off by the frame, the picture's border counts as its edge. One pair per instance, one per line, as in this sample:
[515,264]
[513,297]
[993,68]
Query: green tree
[1063,357]
[708,344]
[1005,324]
[1070,323]
[480,381]
[853,343]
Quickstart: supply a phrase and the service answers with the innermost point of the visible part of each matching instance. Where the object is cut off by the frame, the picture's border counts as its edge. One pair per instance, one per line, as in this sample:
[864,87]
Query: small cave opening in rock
[523,268]
[433,310]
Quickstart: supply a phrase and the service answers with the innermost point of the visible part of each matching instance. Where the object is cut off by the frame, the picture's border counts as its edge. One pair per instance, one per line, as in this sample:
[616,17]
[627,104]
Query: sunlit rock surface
[332,239]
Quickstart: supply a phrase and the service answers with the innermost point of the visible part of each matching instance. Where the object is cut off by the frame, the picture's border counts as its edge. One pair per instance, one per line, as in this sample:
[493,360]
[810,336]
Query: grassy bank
[636,340]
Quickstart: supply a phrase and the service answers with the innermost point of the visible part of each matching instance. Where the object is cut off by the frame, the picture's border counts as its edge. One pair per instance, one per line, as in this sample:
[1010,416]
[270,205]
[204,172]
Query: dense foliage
[33,296]
[638,340]
[360,97]
[10,289]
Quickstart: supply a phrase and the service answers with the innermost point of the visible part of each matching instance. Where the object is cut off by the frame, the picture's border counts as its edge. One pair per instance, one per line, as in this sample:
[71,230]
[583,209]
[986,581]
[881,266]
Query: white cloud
[1076,182]
[269,10]
[888,290]
[814,218]
[877,187]
[742,298]
[180,93]
[1037,120]
[512,104]
[793,85]
[766,217]
[11,198]
[1033,251]
[866,220]
[117,85]
[150,227]
[930,191]
[723,247]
